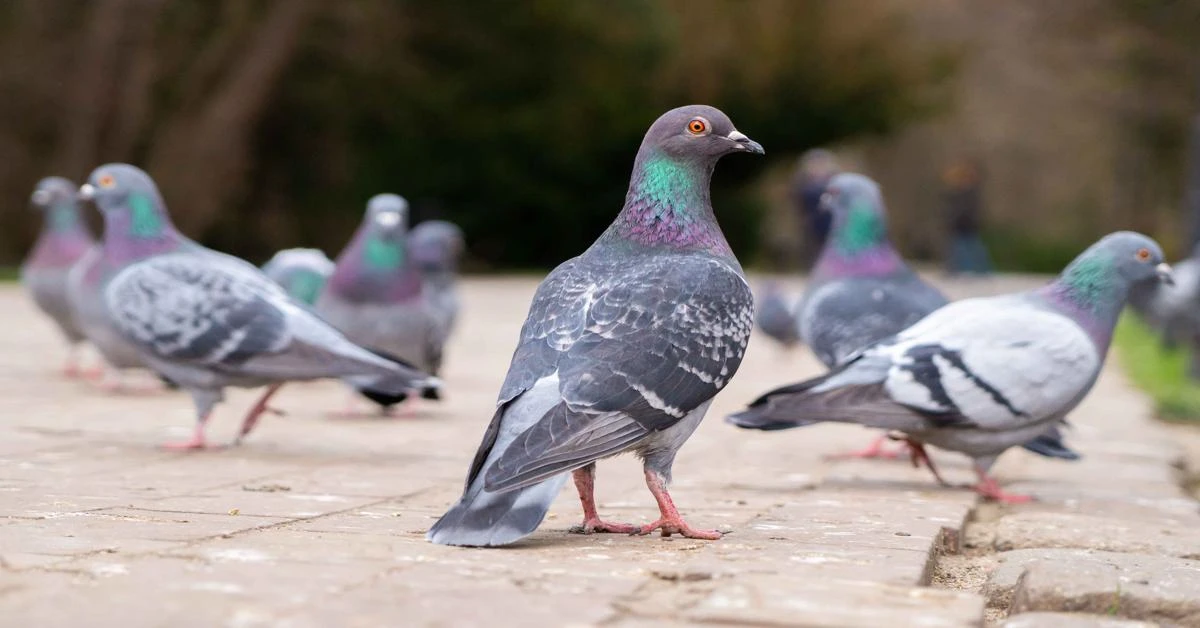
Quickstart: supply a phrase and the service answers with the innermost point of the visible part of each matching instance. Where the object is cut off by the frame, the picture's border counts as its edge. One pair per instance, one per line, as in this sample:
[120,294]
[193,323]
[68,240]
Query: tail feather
[392,388]
[1051,445]
[484,519]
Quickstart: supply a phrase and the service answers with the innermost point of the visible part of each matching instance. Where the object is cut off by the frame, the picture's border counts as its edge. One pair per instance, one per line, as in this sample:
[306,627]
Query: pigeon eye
[107,181]
[1142,255]
[697,126]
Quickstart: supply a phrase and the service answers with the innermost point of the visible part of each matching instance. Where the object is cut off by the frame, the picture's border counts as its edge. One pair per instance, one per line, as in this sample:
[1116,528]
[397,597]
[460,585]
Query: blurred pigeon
[775,317]
[1174,311]
[436,247]
[208,320]
[141,231]
[861,291]
[623,349]
[301,272]
[63,241]
[375,296]
[980,375]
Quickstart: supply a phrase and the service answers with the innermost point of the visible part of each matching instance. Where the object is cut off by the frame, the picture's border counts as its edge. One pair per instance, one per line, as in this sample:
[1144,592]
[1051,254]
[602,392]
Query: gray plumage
[624,346]
[63,241]
[981,375]
[861,291]
[207,320]
[376,296]
[436,247]
[775,316]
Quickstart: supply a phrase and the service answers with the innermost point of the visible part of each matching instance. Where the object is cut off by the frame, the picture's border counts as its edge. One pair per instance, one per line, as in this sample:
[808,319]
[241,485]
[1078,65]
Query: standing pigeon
[64,240]
[436,247]
[207,320]
[623,349]
[774,315]
[301,272]
[861,291]
[980,375]
[375,295]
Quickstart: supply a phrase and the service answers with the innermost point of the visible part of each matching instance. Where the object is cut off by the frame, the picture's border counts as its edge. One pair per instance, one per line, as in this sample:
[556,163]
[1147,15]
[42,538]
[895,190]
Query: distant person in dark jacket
[963,197]
[813,172]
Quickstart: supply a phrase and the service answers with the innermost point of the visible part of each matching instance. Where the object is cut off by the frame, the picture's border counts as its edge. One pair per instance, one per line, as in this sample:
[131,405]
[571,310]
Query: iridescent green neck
[668,205]
[862,230]
[145,221]
[63,217]
[383,254]
[669,187]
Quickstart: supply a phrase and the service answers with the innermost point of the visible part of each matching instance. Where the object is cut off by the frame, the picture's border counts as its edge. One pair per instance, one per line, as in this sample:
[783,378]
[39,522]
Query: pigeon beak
[745,143]
[41,198]
[87,192]
[1165,274]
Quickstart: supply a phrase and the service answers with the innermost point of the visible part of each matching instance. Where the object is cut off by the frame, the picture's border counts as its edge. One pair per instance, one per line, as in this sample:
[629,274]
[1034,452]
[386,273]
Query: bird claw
[667,527]
[595,526]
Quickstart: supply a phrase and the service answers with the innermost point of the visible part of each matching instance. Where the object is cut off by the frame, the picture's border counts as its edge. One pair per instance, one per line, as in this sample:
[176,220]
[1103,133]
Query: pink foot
[989,488]
[874,450]
[676,525]
[596,525]
[196,443]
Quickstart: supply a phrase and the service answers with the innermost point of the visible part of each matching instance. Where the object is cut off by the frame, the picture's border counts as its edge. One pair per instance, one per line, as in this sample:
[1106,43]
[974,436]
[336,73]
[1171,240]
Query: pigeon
[301,272]
[623,349]
[140,231]
[982,375]
[774,315]
[207,320]
[436,247]
[376,296]
[861,292]
[1174,311]
[63,241]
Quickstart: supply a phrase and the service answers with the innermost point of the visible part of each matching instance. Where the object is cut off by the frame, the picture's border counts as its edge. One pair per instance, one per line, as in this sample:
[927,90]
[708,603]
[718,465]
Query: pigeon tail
[485,519]
[759,418]
[1051,445]
[385,395]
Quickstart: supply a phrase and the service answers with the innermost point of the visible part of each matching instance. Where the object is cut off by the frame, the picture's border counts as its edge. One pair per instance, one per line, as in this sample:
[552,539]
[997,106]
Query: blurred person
[963,198]
[813,171]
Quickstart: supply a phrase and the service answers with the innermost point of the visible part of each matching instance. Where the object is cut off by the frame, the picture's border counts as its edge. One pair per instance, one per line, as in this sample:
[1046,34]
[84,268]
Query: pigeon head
[1098,282]
[54,192]
[436,244]
[858,212]
[668,200]
[697,133]
[129,200]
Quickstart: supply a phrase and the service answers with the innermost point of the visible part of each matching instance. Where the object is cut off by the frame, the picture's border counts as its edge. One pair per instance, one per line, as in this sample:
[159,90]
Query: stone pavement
[318,521]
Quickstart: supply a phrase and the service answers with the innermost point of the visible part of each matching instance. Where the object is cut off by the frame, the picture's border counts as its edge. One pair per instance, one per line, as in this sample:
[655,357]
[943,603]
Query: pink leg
[257,411]
[670,522]
[918,455]
[874,450]
[71,366]
[990,488]
[196,443]
[585,483]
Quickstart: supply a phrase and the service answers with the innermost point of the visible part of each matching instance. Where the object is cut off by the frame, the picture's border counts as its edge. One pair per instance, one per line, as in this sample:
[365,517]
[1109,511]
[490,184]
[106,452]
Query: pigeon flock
[624,346]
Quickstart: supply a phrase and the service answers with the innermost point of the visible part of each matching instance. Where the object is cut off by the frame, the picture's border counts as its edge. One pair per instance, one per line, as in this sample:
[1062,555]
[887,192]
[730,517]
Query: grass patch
[1161,373]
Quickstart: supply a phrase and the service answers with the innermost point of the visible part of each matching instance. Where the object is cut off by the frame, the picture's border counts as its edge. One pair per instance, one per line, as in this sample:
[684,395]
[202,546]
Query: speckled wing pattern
[637,344]
[208,311]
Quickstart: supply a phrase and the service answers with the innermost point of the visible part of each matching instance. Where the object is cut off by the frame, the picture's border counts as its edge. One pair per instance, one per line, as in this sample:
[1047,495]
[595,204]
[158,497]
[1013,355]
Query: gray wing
[636,346]
[842,316]
[184,307]
[987,364]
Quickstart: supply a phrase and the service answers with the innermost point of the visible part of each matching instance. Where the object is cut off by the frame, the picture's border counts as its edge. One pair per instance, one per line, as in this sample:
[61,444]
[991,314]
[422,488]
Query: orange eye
[697,126]
[106,181]
[1143,255]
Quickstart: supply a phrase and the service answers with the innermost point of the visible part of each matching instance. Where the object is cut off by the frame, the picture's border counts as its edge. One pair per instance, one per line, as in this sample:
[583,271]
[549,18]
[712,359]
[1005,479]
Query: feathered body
[623,349]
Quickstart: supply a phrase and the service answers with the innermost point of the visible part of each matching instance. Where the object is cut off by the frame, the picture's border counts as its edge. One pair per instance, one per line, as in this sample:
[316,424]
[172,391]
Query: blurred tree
[269,122]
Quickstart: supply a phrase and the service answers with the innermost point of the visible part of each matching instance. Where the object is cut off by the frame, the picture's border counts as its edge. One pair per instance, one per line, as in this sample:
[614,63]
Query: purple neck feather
[668,205]
[877,261]
[357,281]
